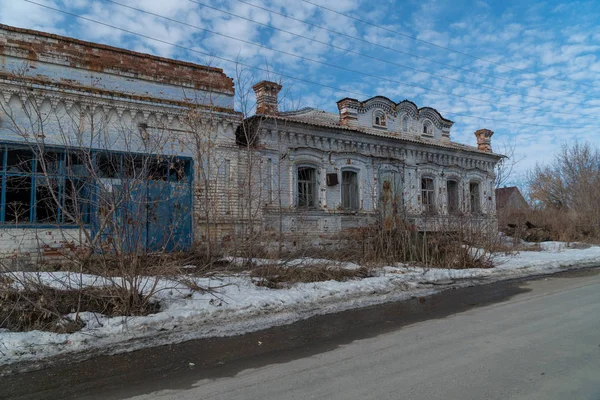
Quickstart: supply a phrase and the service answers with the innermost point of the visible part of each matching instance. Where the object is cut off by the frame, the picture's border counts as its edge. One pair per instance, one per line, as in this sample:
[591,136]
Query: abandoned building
[121,150]
[101,144]
[327,172]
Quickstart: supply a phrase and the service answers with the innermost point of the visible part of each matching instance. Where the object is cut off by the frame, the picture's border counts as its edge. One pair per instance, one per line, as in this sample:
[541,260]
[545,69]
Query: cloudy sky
[529,71]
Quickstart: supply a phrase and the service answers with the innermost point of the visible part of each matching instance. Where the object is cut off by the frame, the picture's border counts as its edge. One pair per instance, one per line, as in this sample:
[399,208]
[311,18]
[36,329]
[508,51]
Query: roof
[503,195]
[320,118]
[72,52]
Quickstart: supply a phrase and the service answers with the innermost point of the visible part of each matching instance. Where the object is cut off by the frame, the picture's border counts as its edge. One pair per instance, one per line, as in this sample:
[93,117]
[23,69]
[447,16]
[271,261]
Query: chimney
[484,140]
[348,111]
[266,97]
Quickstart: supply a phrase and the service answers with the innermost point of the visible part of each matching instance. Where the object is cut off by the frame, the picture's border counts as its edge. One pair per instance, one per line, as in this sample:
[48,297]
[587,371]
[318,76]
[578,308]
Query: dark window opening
[158,169]
[76,202]
[109,165]
[306,187]
[134,167]
[427,195]
[452,191]
[475,200]
[350,199]
[18,199]
[47,197]
[19,161]
[178,170]
[77,164]
[48,163]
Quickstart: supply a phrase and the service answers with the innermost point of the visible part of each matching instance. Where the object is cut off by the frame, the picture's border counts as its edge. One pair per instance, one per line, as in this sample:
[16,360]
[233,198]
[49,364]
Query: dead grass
[44,308]
[278,277]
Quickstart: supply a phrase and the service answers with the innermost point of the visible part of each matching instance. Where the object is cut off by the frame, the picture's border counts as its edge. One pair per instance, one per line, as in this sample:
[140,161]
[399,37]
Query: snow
[239,306]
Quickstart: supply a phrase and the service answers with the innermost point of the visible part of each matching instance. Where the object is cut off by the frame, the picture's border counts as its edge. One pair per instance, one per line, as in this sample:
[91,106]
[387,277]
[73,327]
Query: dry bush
[277,277]
[459,246]
[44,308]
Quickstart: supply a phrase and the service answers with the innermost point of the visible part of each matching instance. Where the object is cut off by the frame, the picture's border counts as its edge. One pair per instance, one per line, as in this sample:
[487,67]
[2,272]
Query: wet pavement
[180,366]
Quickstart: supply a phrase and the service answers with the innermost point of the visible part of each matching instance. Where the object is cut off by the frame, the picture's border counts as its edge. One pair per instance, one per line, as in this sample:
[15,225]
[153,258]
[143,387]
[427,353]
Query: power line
[280,74]
[347,69]
[444,47]
[388,48]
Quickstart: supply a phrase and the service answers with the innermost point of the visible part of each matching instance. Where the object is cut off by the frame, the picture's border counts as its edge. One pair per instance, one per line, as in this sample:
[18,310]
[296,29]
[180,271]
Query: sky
[527,70]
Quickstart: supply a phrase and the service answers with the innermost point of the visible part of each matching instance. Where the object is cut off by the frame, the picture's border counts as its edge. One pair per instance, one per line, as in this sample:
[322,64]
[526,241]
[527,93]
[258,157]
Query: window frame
[427,128]
[64,173]
[428,206]
[456,196]
[475,206]
[312,184]
[379,119]
[350,191]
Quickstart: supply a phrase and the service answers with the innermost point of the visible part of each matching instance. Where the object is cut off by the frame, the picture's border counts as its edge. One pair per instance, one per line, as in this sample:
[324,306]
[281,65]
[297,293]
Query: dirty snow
[239,306]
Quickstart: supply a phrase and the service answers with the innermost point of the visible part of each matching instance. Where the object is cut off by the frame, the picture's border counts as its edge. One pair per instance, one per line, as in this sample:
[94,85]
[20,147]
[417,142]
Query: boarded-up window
[350,190]
[390,193]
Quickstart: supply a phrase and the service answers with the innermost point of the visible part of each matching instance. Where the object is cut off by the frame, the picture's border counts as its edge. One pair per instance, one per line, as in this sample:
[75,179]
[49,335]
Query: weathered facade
[376,159]
[100,144]
[91,134]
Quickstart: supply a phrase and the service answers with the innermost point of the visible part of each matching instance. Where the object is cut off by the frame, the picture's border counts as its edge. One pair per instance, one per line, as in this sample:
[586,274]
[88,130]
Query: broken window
[108,165]
[427,194]
[18,199]
[307,185]
[350,190]
[178,170]
[76,202]
[475,199]
[48,163]
[452,192]
[158,169]
[19,161]
[76,164]
[46,201]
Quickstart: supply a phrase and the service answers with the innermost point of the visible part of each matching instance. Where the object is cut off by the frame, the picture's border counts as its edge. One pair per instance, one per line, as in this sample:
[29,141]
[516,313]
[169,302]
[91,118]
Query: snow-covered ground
[240,306]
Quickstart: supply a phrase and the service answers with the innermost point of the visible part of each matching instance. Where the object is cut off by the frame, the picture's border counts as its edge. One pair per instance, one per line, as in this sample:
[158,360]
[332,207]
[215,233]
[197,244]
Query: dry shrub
[44,308]
[452,247]
[277,277]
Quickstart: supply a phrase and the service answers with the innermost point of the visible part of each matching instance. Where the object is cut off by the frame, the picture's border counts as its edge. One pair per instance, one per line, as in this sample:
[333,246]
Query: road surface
[541,341]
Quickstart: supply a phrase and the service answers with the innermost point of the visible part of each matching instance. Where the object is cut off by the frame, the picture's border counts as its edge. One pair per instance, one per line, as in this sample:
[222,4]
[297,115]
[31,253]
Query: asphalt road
[542,344]
[537,339]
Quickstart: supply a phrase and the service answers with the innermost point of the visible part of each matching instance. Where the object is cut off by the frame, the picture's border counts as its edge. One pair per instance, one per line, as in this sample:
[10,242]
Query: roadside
[181,366]
[241,306]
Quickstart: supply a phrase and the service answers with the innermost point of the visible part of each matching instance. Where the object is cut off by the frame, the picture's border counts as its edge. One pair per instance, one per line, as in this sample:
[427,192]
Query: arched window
[307,187]
[428,194]
[452,193]
[379,118]
[474,197]
[405,123]
[350,190]
[427,128]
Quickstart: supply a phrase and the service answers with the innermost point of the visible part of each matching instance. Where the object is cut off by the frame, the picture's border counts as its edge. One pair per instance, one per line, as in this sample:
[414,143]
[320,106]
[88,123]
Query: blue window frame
[49,187]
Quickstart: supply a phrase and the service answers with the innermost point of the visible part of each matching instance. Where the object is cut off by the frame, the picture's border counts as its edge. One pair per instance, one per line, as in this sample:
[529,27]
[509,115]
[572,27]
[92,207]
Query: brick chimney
[348,111]
[266,97]
[484,140]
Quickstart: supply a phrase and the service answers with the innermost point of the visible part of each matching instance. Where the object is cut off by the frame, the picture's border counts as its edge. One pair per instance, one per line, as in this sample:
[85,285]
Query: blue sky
[529,71]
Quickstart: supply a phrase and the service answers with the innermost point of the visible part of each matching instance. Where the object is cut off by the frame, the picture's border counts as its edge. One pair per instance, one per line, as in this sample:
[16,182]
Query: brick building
[326,172]
[98,141]
[122,149]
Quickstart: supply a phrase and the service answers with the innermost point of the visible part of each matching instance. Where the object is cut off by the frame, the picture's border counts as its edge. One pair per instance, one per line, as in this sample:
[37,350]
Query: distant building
[510,199]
